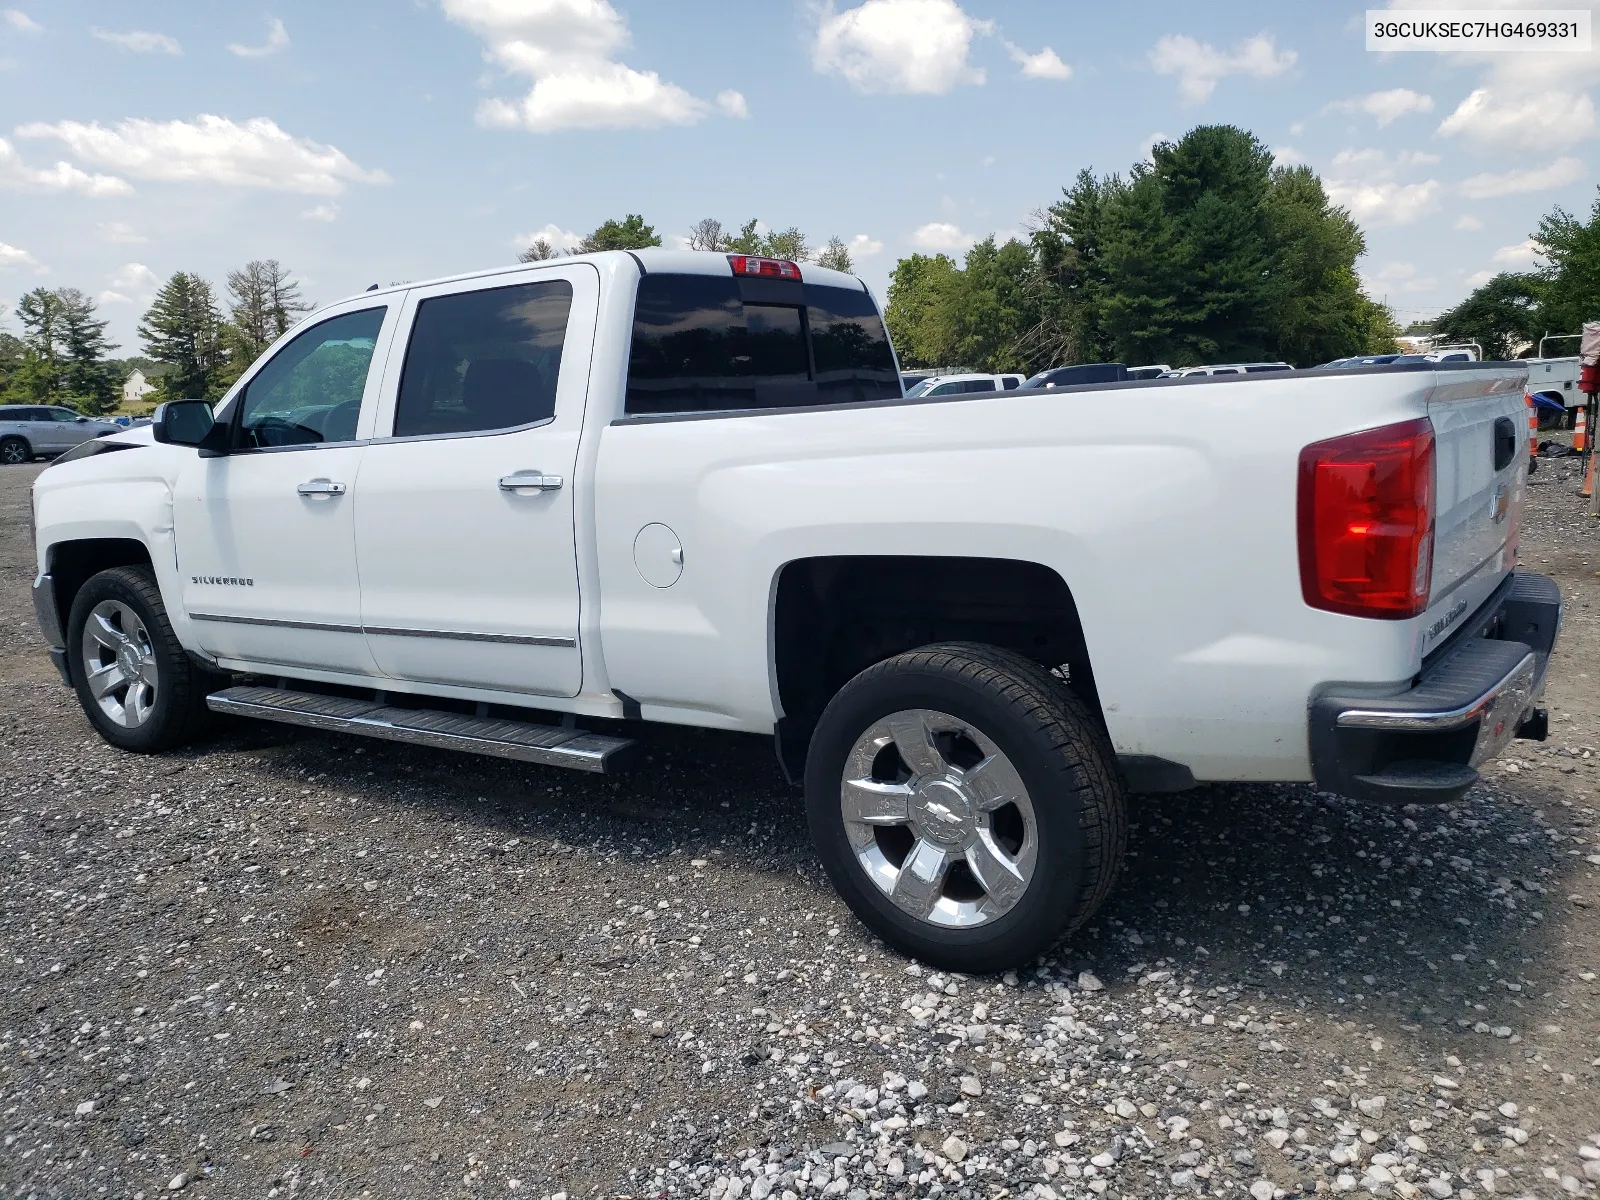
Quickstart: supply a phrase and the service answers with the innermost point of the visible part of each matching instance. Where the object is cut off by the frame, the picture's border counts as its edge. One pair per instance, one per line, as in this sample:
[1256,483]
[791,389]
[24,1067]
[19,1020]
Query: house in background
[136,387]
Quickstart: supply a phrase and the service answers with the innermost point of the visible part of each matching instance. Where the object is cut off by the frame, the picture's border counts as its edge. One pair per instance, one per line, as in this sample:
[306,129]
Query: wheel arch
[834,616]
[71,564]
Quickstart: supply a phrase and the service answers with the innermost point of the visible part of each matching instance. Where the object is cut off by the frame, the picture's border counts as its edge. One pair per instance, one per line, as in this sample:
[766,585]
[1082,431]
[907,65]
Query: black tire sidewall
[168,718]
[7,443]
[1050,900]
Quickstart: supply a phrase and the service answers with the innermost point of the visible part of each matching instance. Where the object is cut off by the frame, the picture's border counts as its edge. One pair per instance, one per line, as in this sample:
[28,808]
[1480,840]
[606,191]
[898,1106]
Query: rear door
[465,518]
[1480,433]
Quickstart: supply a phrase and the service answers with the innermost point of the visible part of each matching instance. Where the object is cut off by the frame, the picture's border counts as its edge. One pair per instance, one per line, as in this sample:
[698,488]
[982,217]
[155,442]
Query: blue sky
[380,140]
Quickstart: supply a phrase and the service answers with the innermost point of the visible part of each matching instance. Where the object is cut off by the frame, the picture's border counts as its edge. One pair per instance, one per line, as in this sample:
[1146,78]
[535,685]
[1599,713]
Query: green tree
[1570,283]
[183,331]
[538,250]
[12,352]
[90,380]
[836,256]
[1206,253]
[920,309]
[630,233]
[1500,316]
[40,376]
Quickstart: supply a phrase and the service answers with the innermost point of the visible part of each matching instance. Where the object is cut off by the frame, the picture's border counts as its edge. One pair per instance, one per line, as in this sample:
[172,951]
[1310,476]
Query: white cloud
[600,95]
[1558,174]
[211,149]
[1385,202]
[1044,65]
[1478,278]
[14,256]
[567,48]
[1200,66]
[1387,107]
[1147,150]
[1399,277]
[1547,117]
[1287,156]
[1467,223]
[140,41]
[862,246]
[321,212]
[63,177]
[1523,254]
[120,233]
[277,39]
[559,238]
[911,46]
[21,21]
[941,236]
[129,284]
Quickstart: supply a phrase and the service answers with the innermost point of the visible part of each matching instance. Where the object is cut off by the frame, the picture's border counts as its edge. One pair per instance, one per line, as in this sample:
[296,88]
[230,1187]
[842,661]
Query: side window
[61,414]
[712,343]
[947,389]
[310,391]
[484,360]
[854,361]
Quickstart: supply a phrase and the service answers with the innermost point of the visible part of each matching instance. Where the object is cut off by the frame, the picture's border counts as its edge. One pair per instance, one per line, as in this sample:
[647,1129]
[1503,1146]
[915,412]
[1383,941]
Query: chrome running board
[549,745]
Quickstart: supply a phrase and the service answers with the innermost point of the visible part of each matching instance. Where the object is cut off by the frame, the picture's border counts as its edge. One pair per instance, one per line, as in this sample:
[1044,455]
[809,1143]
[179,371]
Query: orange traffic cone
[1580,431]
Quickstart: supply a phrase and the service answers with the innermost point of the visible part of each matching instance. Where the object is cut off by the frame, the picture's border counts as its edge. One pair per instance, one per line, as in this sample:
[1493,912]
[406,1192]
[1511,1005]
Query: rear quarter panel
[1168,508]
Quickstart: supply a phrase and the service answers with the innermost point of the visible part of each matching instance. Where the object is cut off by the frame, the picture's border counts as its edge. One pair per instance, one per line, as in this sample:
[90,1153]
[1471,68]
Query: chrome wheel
[12,453]
[119,663]
[939,818]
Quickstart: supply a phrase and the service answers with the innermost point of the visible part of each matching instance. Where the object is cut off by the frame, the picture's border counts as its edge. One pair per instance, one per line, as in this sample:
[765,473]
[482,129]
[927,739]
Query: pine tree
[630,233]
[40,376]
[89,377]
[183,331]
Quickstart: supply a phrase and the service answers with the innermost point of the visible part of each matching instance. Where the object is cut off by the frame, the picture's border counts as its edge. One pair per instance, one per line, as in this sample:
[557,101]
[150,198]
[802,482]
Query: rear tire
[137,686]
[965,805]
[15,451]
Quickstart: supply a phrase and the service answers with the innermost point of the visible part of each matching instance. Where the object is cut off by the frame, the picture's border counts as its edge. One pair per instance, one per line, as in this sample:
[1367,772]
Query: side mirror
[184,423]
[83,420]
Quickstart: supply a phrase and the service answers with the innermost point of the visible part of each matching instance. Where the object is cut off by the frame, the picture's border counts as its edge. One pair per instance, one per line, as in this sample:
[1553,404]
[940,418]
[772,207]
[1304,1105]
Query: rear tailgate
[1481,445]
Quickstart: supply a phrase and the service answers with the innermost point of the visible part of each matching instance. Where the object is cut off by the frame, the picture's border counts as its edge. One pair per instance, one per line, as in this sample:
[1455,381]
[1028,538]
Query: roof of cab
[677,262]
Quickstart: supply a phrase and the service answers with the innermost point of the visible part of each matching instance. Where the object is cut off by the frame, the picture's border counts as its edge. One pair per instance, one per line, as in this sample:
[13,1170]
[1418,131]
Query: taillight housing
[772,268]
[1366,509]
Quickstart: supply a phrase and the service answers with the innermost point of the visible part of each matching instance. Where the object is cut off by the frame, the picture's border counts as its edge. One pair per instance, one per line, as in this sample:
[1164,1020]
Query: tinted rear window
[703,343]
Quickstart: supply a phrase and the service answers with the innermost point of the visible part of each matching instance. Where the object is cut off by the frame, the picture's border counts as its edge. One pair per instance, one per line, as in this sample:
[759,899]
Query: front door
[464,521]
[265,535]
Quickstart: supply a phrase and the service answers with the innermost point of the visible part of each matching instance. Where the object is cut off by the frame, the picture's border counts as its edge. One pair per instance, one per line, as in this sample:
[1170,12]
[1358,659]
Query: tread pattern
[187,714]
[1084,757]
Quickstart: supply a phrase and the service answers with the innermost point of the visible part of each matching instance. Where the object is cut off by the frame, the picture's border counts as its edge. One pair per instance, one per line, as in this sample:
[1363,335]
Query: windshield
[922,388]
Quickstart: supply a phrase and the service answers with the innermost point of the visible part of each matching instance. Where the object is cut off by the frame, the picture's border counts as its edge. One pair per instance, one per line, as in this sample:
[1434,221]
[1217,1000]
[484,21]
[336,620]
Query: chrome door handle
[530,481]
[320,487]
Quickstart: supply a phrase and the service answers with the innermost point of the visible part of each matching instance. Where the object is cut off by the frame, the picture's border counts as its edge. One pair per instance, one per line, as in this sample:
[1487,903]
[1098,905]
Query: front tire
[14,451]
[138,688]
[965,805]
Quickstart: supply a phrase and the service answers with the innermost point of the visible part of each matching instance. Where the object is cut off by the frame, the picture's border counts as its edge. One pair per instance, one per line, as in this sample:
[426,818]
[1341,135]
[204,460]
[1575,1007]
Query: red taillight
[1366,521]
[772,268]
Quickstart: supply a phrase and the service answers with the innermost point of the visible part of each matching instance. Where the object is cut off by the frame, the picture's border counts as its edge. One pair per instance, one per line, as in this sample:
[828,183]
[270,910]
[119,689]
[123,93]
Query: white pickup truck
[521,511]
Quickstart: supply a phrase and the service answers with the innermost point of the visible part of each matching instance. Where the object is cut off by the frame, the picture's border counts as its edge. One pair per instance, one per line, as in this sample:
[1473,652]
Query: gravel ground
[288,964]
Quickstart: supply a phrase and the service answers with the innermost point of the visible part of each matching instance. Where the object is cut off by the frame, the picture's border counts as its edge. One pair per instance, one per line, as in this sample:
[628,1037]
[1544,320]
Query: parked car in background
[1078,374]
[910,379]
[1154,371]
[30,430]
[1250,368]
[955,385]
